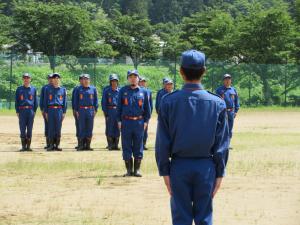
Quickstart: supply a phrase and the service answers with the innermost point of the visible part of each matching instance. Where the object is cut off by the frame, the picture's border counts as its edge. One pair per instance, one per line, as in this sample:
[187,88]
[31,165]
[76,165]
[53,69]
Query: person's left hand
[145,126]
[63,116]
[168,184]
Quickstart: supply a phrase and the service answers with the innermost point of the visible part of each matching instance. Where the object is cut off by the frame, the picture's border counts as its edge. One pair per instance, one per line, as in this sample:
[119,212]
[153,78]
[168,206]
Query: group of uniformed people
[193,133]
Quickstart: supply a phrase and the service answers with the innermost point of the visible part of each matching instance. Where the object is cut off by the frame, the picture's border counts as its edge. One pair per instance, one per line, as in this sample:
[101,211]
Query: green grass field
[262,185]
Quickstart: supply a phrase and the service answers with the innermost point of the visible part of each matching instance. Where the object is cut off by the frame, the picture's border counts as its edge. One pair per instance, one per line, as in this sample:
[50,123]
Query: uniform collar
[190,86]
[227,87]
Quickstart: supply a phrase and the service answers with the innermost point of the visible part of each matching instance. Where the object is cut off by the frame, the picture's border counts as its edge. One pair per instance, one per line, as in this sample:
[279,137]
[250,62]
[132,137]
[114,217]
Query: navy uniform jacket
[109,98]
[55,97]
[42,96]
[26,96]
[150,98]
[192,123]
[230,96]
[133,103]
[159,95]
[86,97]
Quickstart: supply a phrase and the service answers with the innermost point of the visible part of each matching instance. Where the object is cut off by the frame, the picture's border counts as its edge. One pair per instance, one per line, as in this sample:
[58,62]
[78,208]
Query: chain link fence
[256,84]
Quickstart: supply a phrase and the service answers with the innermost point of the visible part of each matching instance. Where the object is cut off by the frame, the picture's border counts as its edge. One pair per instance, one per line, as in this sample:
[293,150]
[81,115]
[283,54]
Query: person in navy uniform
[143,83]
[133,115]
[168,88]
[109,104]
[86,107]
[74,111]
[191,144]
[26,104]
[42,95]
[55,103]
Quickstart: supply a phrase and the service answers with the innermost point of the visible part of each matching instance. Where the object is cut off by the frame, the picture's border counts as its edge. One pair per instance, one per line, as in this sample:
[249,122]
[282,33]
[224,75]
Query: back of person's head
[192,64]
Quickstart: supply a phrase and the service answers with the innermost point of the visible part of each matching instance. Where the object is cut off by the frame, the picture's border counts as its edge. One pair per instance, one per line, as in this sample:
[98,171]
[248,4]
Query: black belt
[185,157]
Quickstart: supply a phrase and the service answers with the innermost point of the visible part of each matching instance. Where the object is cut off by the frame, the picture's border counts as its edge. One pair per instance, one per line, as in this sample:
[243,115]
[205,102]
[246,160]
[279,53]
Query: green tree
[54,29]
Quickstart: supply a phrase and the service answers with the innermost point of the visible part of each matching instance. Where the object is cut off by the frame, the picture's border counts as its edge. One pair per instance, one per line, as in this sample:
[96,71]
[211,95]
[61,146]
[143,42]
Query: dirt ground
[262,185]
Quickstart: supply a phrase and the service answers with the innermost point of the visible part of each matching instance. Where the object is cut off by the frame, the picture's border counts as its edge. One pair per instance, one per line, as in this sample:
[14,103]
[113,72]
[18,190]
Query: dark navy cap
[85,76]
[193,59]
[55,75]
[26,75]
[113,76]
[168,81]
[130,72]
[80,76]
[226,76]
[143,79]
[49,75]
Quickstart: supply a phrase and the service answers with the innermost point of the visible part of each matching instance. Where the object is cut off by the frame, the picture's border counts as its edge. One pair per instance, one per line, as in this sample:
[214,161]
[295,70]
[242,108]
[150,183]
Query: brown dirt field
[262,186]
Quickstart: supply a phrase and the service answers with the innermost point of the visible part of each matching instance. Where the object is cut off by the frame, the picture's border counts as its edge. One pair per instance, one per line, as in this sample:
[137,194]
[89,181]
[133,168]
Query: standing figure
[133,115]
[168,88]
[86,107]
[55,103]
[191,144]
[109,104]
[26,104]
[143,83]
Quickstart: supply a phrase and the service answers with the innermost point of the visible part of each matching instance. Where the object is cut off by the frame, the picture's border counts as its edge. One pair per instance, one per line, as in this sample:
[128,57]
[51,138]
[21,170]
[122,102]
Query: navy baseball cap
[113,77]
[192,59]
[26,75]
[55,75]
[134,72]
[226,76]
[143,79]
[168,81]
[49,75]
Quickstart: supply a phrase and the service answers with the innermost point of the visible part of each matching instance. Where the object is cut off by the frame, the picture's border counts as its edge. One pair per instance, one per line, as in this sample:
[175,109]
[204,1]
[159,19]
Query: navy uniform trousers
[132,130]
[86,122]
[192,180]
[55,116]
[26,118]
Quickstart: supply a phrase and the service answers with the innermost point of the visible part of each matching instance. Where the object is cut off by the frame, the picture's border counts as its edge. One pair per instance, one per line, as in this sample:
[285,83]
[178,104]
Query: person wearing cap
[74,111]
[42,95]
[231,98]
[55,107]
[143,83]
[191,144]
[86,107]
[109,103]
[133,115]
[167,88]
[26,104]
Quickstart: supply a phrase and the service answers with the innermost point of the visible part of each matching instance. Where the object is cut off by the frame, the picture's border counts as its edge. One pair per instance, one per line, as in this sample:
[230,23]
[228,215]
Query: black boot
[23,143]
[110,143]
[128,165]
[28,143]
[78,140]
[47,143]
[137,166]
[80,145]
[57,143]
[107,147]
[116,143]
[88,144]
[51,145]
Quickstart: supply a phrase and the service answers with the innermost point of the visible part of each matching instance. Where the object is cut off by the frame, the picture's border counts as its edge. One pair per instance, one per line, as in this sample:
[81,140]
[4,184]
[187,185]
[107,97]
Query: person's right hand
[119,125]
[18,115]
[77,114]
[217,186]
[168,184]
[46,116]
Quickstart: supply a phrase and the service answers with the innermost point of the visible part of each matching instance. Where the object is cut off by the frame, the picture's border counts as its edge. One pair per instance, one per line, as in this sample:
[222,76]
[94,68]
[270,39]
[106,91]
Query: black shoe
[23,143]
[107,147]
[129,166]
[51,145]
[117,139]
[28,143]
[88,144]
[145,148]
[78,140]
[80,145]
[110,143]
[57,143]
[137,166]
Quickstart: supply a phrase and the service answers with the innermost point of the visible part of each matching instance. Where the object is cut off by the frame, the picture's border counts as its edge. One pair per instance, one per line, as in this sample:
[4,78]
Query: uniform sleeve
[163,142]
[35,100]
[151,101]
[96,104]
[147,109]
[157,101]
[119,106]
[72,100]
[76,99]
[45,100]
[104,102]
[221,145]
[42,98]
[218,91]
[65,103]
[17,101]
[236,102]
